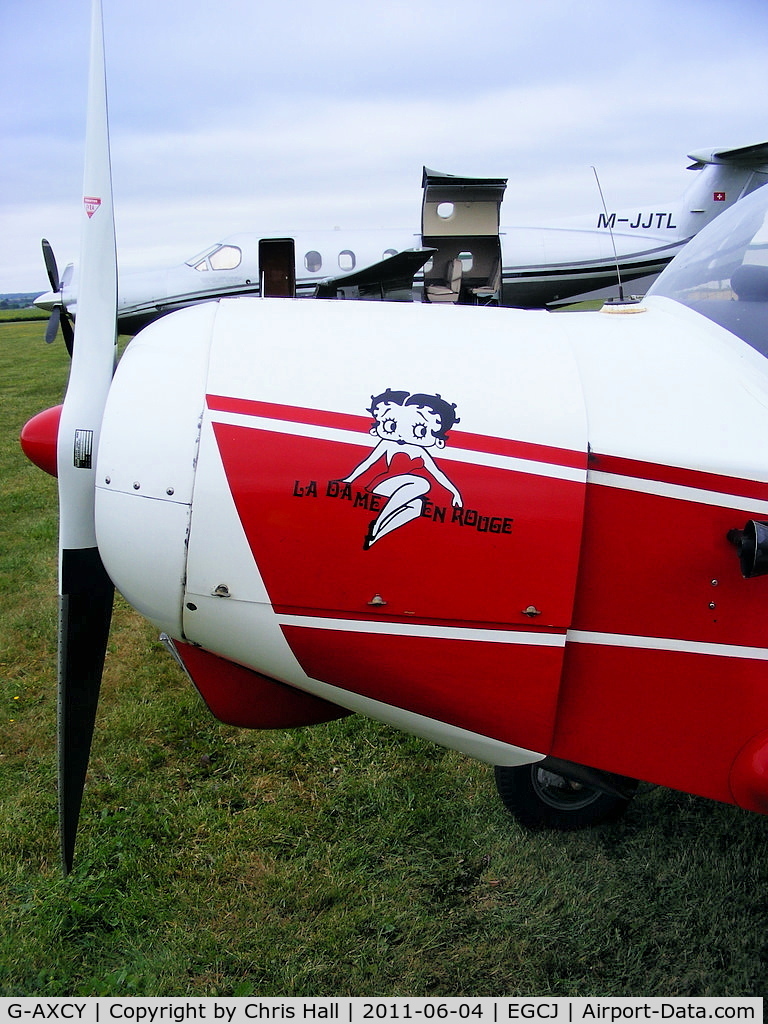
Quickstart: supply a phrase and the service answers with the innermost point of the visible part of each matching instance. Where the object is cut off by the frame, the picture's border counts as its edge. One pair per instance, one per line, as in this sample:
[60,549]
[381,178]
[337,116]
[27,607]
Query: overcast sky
[246,115]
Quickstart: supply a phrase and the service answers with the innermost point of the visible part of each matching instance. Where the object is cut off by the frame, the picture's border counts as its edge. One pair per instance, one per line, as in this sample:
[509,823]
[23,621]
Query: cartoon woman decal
[407,426]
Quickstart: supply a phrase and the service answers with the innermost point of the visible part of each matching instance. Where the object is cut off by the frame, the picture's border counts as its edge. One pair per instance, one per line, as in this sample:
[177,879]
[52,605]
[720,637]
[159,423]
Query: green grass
[346,859]
[17,315]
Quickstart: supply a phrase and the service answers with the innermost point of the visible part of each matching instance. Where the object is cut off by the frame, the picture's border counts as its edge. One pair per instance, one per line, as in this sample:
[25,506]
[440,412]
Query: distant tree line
[17,300]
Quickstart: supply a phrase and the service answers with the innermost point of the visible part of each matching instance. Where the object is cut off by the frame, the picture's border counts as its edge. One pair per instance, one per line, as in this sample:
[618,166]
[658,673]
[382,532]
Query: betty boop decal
[407,427]
[398,481]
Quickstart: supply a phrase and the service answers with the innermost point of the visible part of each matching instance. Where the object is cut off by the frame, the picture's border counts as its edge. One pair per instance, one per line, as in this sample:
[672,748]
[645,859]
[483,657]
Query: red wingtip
[39,438]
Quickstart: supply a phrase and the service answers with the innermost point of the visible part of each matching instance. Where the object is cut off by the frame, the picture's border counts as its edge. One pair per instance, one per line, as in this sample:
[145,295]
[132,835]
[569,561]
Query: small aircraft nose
[48,300]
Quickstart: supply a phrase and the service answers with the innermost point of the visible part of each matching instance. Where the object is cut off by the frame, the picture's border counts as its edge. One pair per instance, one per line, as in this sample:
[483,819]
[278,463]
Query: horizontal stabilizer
[749,156]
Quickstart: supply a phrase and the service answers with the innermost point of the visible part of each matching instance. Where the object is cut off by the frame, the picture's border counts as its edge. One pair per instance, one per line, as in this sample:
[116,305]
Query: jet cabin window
[347,260]
[221,257]
[723,272]
[313,261]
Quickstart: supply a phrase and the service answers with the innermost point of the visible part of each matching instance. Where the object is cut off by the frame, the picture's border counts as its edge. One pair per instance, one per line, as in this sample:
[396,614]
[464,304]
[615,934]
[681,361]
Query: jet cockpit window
[226,257]
[723,272]
[200,261]
[218,257]
[313,261]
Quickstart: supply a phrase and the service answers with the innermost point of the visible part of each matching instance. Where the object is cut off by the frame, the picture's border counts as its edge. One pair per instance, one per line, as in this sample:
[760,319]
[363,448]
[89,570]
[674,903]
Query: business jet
[475,259]
[538,538]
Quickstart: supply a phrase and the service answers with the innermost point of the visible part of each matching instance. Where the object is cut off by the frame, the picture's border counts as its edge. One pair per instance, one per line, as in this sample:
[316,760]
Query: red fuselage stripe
[616,466]
[362,424]
[609,464]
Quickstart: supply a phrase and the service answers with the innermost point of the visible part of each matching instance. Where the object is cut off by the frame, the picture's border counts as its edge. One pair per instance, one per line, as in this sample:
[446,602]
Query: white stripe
[525,638]
[509,463]
[342,436]
[679,492]
[382,628]
[339,434]
[655,643]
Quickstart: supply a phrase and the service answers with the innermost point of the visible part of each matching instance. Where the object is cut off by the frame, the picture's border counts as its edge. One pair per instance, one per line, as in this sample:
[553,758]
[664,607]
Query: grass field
[346,859]
[20,315]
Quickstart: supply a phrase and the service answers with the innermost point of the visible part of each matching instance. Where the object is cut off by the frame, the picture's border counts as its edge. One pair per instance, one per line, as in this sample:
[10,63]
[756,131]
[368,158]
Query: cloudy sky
[246,115]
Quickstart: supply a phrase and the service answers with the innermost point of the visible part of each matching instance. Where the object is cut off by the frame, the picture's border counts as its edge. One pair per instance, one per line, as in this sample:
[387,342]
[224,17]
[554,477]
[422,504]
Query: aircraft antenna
[610,231]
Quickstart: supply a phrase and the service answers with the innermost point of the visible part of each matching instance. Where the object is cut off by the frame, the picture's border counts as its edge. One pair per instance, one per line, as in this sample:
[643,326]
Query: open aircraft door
[460,219]
[457,615]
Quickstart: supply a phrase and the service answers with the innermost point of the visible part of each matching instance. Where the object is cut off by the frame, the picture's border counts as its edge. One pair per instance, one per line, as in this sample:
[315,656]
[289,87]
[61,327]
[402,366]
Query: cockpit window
[226,257]
[219,257]
[723,272]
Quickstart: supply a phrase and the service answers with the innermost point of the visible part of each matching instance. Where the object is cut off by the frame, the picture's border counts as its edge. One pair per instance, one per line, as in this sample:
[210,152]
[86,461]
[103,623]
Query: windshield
[219,257]
[723,272]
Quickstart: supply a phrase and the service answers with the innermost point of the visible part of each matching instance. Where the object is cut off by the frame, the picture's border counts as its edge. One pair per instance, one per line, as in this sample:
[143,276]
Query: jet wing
[390,279]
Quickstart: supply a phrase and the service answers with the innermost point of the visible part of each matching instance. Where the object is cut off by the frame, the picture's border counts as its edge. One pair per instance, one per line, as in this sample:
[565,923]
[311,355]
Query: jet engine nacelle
[505,531]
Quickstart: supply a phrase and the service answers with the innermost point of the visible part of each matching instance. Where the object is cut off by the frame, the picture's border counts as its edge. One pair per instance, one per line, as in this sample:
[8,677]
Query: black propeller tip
[85,610]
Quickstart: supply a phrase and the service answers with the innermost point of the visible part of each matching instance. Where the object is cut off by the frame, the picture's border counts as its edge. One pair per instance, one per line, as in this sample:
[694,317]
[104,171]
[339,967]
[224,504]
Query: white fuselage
[540,265]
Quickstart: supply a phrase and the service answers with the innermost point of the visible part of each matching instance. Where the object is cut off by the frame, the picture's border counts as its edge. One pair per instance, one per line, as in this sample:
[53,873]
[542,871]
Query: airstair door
[460,219]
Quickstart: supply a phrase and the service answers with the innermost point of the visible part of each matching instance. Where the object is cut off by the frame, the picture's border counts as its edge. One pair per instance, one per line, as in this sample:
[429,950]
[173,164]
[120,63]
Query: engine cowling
[559,580]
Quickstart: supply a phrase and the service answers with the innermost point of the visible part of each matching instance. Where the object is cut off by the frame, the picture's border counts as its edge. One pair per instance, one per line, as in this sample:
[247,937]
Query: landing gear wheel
[540,798]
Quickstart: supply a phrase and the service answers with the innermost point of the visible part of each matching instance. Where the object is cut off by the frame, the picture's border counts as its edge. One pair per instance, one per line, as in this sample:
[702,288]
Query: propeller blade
[85,592]
[52,327]
[59,316]
[85,610]
[50,265]
[68,332]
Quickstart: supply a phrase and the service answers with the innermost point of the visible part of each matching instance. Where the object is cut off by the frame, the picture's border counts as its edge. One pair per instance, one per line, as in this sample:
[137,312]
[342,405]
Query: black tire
[540,798]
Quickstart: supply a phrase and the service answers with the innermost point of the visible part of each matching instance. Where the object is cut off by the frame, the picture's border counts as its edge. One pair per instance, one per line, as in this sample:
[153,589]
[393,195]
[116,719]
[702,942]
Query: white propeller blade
[85,591]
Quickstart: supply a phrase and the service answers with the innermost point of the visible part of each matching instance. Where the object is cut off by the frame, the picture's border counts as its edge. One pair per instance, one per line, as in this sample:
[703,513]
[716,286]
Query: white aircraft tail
[724,177]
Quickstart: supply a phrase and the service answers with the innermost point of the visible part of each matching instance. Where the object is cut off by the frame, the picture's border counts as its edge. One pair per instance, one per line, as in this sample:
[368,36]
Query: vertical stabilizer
[724,177]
